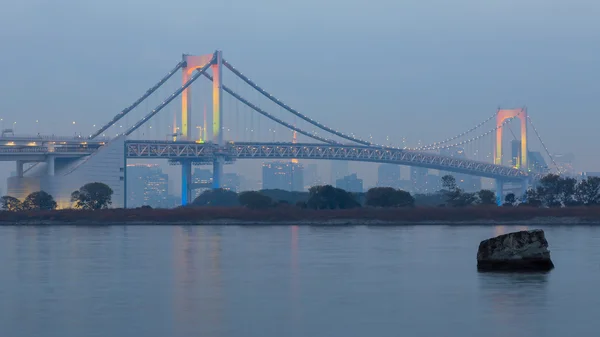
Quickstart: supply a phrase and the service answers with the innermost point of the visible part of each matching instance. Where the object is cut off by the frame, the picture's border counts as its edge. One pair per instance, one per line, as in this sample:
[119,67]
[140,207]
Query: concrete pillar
[186,179]
[217,172]
[524,185]
[20,168]
[50,165]
[499,192]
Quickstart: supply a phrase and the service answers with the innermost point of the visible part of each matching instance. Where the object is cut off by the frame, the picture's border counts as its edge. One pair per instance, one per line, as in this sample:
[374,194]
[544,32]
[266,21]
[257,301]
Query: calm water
[288,281]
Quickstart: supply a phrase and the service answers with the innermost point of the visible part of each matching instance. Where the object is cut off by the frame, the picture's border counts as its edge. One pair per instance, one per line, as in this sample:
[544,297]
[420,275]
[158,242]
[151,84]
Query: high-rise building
[285,176]
[388,175]
[515,152]
[147,185]
[418,177]
[311,176]
[231,181]
[537,163]
[468,182]
[565,162]
[350,183]
[202,179]
[339,169]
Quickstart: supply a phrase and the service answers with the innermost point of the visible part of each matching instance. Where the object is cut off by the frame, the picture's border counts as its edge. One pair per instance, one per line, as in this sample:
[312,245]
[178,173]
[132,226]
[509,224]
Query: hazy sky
[417,69]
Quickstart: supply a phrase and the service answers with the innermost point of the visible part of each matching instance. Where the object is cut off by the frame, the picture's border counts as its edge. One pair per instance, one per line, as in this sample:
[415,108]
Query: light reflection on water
[288,281]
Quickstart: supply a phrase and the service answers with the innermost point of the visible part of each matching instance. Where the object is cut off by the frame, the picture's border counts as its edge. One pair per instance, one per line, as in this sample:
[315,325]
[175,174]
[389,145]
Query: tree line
[550,191]
[329,197]
[92,196]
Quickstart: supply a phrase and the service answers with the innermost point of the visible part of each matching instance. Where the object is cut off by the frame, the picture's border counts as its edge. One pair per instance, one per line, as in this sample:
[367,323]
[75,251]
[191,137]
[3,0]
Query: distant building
[285,176]
[311,176]
[585,175]
[339,169]
[202,180]
[231,181]
[537,163]
[147,185]
[466,182]
[418,178]
[565,162]
[388,175]
[350,183]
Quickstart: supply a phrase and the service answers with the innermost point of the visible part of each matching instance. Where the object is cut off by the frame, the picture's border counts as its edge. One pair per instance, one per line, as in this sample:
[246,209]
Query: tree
[532,199]
[254,200]
[39,201]
[555,191]
[510,200]
[486,197]
[588,191]
[455,196]
[92,196]
[449,183]
[217,197]
[388,197]
[329,197]
[11,204]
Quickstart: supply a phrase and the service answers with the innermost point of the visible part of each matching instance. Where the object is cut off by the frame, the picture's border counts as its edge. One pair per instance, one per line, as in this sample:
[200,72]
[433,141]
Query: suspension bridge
[62,164]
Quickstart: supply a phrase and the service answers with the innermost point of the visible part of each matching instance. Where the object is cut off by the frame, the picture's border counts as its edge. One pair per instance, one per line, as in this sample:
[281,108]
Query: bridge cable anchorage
[543,145]
[293,111]
[506,121]
[138,101]
[459,135]
[271,117]
[172,97]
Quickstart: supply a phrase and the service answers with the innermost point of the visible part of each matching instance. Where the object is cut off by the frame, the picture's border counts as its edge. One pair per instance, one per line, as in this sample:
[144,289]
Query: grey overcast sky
[420,69]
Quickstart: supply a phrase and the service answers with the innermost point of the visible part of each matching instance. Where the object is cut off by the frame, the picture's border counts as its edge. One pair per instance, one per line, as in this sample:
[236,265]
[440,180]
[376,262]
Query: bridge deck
[252,150]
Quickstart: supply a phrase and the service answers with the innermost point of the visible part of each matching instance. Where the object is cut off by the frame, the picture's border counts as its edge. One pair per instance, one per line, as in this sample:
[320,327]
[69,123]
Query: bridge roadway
[39,148]
[206,152]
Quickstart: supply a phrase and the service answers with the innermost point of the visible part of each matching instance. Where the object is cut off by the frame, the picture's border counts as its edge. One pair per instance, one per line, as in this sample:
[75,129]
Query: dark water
[288,281]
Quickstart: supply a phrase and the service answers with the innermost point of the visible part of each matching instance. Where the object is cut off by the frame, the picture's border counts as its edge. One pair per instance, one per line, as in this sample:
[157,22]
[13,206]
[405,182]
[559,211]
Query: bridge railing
[43,149]
[52,138]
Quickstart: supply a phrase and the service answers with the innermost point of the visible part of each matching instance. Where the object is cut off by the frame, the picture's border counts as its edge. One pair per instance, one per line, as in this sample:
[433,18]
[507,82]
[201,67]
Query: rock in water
[519,251]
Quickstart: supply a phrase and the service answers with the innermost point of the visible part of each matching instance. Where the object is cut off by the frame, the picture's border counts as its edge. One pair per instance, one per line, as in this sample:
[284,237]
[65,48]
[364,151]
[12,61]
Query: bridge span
[206,152]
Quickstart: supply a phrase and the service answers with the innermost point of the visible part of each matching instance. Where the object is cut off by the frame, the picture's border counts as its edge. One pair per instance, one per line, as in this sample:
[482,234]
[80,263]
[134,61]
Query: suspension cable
[506,121]
[268,115]
[138,101]
[288,108]
[543,145]
[171,97]
[461,134]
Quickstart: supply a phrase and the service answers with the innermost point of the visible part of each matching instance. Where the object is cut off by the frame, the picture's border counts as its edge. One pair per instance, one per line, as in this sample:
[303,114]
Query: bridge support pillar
[20,168]
[186,179]
[217,172]
[524,186]
[50,165]
[499,192]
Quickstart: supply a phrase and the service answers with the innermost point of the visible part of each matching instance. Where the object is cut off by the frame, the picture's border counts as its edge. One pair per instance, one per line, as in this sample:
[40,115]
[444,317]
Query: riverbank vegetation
[552,196]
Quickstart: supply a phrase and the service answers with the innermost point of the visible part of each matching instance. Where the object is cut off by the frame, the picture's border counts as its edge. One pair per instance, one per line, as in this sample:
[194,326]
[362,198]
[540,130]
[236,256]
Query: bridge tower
[501,117]
[192,63]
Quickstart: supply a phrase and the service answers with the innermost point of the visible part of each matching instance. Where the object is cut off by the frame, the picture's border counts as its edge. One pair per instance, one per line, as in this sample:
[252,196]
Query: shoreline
[290,215]
[541,221]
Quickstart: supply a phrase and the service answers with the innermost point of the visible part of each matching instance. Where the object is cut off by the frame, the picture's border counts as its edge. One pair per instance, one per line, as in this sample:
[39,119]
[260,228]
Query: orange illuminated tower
[502,116]
[192,63]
